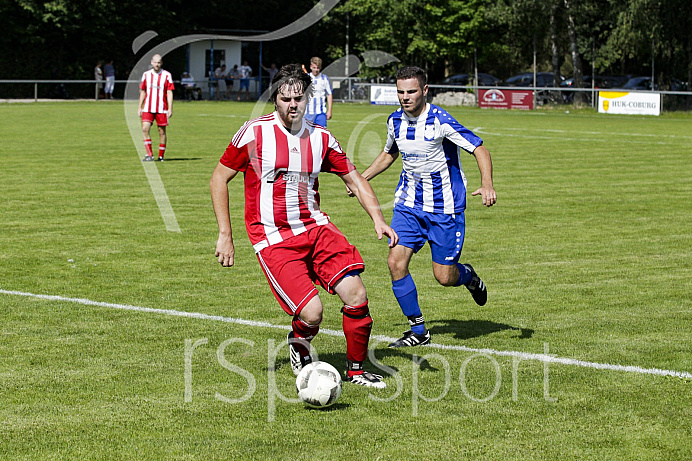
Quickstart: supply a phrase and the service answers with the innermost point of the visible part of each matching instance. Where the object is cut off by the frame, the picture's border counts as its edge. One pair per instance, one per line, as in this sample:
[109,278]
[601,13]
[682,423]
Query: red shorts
[161,118]
[321,255]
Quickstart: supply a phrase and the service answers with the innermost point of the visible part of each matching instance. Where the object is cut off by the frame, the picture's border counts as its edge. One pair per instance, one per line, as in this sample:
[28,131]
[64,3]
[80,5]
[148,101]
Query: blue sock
[407,296]
[465,275]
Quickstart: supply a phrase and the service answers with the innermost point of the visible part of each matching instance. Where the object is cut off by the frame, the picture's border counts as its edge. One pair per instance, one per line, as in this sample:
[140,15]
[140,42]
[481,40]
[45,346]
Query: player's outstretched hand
[488,194]
[383,230]
[225,251]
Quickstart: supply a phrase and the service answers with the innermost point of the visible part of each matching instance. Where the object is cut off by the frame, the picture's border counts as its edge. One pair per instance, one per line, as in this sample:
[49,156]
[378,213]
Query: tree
[436,35]
[656,29]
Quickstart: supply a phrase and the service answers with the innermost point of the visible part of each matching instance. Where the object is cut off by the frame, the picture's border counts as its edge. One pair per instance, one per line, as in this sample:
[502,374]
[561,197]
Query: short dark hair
[291,75]
[408,72]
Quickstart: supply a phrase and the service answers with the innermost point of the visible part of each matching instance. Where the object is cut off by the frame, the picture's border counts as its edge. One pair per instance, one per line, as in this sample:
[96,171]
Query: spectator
[192,91]
[245,72]
[271,70]
[220,80]
[98,76]
[109,70]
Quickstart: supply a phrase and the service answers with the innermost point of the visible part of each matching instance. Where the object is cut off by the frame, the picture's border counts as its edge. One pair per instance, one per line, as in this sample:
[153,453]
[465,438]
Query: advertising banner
[383,94]
[505,99]
[621,102]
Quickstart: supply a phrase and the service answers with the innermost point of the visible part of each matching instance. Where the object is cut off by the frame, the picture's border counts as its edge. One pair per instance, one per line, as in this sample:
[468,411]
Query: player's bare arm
[381,163]
[330,101]
[218,185]
[366,196]
[142,97]
[485,165]
[169,96]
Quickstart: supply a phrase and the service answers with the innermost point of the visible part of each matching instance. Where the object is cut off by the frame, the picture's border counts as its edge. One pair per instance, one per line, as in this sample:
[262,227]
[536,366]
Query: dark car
[543,79]
[599,82]
[639,83]
[465,79]
[677,85]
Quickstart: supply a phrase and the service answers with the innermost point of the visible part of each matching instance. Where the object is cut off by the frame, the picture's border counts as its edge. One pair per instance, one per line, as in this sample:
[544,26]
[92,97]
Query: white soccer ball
[318,384]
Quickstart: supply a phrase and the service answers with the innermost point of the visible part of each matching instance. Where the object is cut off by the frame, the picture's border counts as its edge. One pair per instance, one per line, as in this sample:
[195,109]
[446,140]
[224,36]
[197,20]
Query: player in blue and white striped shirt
[320,104]
[430,199]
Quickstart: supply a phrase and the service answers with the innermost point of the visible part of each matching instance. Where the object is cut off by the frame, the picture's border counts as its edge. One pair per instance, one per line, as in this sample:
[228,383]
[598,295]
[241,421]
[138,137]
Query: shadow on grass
[467,329]
[460,329]
[181,159]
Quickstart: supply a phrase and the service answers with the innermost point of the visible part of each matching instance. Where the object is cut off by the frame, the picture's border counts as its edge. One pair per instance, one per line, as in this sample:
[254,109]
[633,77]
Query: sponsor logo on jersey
[296,177]
[413,155]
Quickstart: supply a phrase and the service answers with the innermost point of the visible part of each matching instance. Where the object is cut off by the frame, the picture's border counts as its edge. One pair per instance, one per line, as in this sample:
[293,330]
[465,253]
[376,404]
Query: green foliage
[654,26]
[65,38]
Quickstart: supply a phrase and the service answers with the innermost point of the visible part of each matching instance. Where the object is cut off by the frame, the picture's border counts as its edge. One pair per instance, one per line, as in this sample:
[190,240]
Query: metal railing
[345,89]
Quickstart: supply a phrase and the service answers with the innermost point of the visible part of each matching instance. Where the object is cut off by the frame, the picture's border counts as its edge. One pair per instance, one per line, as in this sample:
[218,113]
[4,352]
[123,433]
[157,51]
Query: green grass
[587,252]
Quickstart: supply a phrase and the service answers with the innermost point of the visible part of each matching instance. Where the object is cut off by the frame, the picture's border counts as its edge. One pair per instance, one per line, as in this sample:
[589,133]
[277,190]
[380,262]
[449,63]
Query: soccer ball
[318,384]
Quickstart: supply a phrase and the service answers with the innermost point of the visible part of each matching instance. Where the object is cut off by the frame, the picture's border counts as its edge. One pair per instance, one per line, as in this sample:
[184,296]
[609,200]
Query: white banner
[384,94]
[620,102]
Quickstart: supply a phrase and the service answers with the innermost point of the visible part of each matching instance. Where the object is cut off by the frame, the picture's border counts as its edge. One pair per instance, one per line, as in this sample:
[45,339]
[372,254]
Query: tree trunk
[555,52]
[574,48]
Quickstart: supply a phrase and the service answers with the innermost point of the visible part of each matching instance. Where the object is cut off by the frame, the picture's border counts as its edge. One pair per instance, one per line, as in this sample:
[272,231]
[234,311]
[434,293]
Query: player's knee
[446,277]
[359,294]
[312,312]
[397,267]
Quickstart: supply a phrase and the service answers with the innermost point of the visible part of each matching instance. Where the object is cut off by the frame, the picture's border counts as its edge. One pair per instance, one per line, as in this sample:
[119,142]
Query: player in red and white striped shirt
[281,156]
[155,103]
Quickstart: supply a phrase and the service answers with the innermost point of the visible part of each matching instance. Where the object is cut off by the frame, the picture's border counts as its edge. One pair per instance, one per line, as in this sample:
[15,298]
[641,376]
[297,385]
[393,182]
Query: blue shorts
[317,119]
[245,83]
[444,232]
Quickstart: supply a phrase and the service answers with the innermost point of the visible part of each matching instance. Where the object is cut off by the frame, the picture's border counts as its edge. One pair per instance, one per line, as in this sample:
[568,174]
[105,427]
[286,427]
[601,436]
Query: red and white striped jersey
[281,169]
[156,85]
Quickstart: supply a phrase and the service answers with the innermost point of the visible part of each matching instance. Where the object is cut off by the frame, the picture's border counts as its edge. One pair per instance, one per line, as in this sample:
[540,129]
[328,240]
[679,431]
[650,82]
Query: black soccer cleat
[148,158]
[297,361]
[477,287]
[160,159]
[412,339]
[367,379]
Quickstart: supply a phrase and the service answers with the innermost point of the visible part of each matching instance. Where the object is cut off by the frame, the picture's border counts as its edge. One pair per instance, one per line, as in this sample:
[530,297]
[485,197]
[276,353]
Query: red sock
[357,326]
[147,147]
[302,330]
[162,150]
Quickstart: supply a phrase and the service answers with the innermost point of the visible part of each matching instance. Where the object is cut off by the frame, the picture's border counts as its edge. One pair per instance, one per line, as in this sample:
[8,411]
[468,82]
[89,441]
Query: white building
[201,64]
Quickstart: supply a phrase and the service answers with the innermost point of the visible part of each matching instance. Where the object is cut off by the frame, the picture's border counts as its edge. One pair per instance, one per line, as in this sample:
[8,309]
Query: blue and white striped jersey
[321,88]
[432,179]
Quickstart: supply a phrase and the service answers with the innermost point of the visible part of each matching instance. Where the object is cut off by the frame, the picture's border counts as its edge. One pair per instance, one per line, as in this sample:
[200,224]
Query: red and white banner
[505,99]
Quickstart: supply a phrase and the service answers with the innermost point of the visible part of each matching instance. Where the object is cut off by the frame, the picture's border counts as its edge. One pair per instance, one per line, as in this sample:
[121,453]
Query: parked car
[600,82]
[543,79]
[639,83]
[465,80]
[677,85]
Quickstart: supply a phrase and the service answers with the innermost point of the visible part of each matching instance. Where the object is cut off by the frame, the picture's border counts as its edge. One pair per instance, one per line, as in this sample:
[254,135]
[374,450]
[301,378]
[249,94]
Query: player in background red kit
[281,155]
[155,103]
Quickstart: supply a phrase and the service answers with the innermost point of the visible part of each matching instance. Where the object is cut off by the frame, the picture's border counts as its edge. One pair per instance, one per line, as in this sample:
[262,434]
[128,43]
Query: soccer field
[124,340]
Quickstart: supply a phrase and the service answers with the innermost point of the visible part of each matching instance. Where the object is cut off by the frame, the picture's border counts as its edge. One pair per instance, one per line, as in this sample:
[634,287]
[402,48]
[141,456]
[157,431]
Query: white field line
[521,355]
[607,137]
